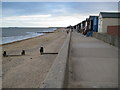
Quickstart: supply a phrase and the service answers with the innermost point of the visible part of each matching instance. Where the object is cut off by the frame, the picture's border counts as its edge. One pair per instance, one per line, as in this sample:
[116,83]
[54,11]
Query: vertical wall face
[86,25]
[100,23]
[109,22]
[113,30]
[95,24]
[81,25]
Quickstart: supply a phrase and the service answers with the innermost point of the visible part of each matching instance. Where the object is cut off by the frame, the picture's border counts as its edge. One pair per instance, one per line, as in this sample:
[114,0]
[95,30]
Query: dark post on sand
[41,50]
[4,54]
[23,52]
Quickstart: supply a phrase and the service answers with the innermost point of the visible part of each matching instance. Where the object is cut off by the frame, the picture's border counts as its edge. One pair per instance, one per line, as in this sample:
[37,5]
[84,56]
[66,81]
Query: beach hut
[79,27]
[107,19]
[74,27]
[86,26]
[69,27]
[113,30]
[93,25]
[83,26]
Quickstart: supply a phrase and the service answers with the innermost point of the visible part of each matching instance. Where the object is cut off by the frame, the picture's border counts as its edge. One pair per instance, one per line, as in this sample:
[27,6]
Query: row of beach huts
[106,22]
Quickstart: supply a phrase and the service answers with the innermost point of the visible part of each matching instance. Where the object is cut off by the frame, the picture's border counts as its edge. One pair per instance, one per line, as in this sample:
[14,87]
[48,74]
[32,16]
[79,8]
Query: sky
[51,14]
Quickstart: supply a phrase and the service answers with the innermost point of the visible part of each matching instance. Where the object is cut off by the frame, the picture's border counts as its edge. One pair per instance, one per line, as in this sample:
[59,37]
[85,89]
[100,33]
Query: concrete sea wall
[56,75]
[113,40]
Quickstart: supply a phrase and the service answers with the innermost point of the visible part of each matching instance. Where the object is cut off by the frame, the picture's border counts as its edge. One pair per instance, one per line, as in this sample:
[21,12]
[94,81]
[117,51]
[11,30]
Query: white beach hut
[107,19]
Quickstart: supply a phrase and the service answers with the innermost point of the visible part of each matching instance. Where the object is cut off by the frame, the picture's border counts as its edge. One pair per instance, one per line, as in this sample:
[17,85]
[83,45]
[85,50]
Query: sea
[12,34]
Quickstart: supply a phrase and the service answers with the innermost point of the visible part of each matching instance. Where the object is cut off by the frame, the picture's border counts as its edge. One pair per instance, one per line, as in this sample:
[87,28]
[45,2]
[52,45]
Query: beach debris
[23,52]
[4,54]
[41,50]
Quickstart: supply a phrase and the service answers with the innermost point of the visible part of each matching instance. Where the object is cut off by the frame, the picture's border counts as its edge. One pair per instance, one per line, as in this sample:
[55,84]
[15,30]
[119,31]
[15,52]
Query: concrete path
[94,63]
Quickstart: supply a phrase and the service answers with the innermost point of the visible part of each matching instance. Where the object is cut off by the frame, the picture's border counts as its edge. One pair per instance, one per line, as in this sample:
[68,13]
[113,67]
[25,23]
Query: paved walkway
[93,62]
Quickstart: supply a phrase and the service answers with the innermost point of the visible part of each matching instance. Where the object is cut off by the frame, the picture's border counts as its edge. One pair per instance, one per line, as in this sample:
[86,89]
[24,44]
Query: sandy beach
[30,70]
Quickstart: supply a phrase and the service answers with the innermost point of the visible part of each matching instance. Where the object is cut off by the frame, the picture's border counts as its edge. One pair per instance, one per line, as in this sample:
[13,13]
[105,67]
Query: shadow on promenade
[49,53]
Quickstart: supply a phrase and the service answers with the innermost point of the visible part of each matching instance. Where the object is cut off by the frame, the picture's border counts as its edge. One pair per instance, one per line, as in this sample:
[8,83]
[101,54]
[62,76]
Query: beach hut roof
[92,17]
[84,21]
[110,14]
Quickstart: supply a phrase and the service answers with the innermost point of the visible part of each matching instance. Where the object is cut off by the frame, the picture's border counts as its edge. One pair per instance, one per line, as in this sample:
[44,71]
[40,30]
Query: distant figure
[71,30]
[67,31]
[41,50]
[23,52]
[4,54]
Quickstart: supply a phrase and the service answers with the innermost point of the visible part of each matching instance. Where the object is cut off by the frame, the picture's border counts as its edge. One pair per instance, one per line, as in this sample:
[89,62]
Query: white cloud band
[60,0]
[43,20]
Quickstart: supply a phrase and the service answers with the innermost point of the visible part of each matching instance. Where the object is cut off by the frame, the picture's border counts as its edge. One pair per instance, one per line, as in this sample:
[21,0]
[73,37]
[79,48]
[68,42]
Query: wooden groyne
[45,32]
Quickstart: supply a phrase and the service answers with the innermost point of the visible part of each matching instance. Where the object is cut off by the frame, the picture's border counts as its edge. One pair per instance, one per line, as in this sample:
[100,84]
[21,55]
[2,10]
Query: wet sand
[30,70]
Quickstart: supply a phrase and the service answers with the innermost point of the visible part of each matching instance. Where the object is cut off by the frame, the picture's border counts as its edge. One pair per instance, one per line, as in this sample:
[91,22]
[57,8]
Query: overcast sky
[47,14]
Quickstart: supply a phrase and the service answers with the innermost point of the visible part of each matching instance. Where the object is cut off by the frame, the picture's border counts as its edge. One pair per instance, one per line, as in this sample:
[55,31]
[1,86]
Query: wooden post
[4,54]
[23,52]
[41,50]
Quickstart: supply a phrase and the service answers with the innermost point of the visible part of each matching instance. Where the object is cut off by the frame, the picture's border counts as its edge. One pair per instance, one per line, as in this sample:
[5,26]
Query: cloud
[52,13]
[44,20]
[27,17]
[61,1]
[36,16]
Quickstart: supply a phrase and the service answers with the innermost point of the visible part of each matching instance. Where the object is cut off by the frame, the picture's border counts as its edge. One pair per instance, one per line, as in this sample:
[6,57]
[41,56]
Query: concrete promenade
[93,63]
